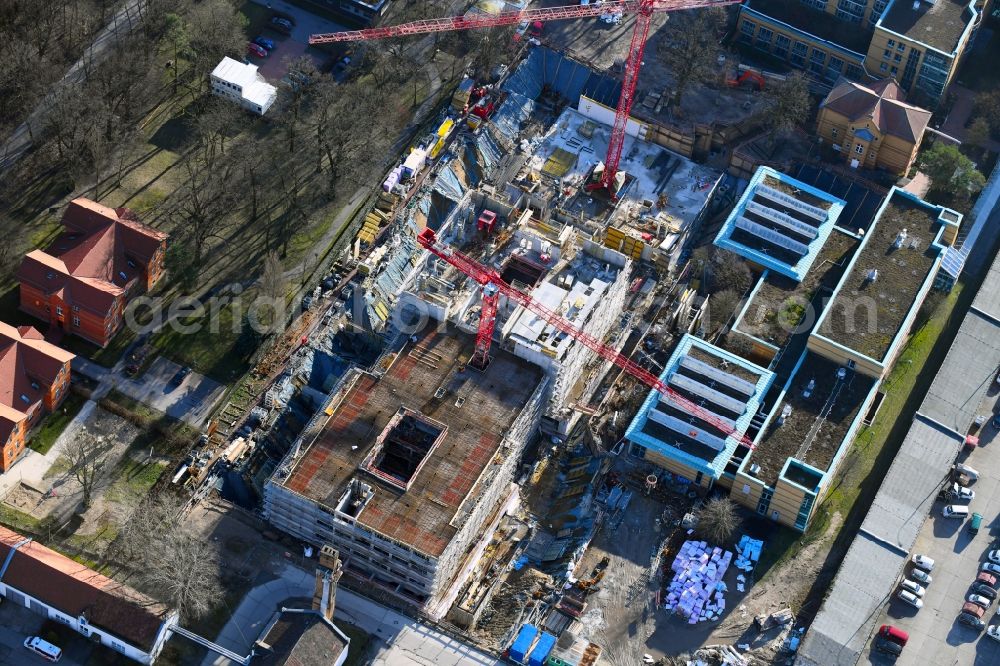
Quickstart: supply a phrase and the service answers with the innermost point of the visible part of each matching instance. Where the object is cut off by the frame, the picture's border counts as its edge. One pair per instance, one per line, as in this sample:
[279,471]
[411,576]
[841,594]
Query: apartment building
[241,83]
[918,42]
[871,125]
[82,282]
[408,474]
[34,380]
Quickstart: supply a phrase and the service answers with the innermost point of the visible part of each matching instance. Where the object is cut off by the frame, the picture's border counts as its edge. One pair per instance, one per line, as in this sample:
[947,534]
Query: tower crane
[643,10]
[493,286]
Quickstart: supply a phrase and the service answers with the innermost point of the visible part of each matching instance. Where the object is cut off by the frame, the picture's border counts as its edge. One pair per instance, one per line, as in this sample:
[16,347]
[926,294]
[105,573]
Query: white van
[43,649]
[955,511]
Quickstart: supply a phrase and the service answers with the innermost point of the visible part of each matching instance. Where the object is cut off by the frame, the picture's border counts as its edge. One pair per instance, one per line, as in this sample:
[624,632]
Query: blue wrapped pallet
[522,644]
[542,649]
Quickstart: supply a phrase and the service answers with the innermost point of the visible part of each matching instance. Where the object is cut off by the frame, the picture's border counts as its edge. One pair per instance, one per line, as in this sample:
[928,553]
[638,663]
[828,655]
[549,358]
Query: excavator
[590,584]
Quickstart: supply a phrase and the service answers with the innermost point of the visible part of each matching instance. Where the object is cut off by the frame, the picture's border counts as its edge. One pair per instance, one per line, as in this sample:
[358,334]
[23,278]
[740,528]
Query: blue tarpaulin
[522,644]
[542,649]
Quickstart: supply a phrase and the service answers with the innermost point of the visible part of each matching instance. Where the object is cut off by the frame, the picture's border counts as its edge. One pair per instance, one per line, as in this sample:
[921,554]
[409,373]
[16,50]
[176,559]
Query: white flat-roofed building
[242,83]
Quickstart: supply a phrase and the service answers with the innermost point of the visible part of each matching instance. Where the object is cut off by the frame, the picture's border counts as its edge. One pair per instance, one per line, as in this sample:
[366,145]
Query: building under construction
[407,471]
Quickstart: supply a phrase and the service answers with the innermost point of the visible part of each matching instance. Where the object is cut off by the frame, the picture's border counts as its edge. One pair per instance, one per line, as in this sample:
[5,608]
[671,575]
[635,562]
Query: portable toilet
[522,644]
[542,649]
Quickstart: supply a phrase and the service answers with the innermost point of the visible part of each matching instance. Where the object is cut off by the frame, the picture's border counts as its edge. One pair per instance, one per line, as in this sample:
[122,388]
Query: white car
[910,586]
[924,562]
[910,598]
[920,576]
[993,556]
[989,567]
[994,632]
[979,600]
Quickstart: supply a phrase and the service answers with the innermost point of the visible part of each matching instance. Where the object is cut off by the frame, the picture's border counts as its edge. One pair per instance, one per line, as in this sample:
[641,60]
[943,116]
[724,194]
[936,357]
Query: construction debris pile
[697,591]
[747,554]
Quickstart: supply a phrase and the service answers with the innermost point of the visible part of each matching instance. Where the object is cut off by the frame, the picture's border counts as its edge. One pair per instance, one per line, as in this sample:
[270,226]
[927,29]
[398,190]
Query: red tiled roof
[26,361]
[883,102]
[95,258]
[77,590]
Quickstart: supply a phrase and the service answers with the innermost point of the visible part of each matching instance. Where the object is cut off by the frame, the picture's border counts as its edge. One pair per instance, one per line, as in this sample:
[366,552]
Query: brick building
[873,125]
[34,379]
[83,280]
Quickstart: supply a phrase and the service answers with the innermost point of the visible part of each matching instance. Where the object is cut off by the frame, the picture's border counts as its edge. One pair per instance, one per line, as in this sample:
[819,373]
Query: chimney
[327,574]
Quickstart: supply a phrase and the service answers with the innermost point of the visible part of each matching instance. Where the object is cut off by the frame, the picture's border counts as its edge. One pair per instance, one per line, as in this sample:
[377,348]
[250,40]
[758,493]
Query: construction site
[503,411]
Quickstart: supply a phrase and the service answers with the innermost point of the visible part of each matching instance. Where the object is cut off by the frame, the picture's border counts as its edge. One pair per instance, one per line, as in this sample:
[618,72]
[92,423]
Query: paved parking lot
[191,402]
[17,623]
[936,637]
[288,48]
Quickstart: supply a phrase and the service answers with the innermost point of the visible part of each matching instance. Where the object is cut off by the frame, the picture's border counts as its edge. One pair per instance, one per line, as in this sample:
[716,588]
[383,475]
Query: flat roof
[779,305]
[780,223]
[987,301]
[727,385]
[968,372]
[851,36]
[870,569]
[869,307]
[815,429]
[939,24]
[476,407]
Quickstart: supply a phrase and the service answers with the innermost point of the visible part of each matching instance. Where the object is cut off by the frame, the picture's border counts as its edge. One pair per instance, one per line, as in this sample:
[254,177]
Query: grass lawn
[214,350]
[18,520]
[132,479]
[55,423]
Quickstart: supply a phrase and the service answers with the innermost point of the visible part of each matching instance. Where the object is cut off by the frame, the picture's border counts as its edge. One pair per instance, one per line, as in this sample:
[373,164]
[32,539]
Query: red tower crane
[493,286]
[643,10]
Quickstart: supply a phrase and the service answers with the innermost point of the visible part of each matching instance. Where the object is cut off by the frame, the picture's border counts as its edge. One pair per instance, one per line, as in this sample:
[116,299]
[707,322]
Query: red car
[256,50]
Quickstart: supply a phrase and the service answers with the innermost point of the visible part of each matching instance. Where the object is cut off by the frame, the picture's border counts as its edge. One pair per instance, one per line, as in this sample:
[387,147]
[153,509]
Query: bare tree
[87,454]
[718,519]
[722,308]
[689,45]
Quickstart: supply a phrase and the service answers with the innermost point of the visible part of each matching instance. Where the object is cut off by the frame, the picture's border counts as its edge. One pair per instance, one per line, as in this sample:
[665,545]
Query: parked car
[888,647]
[984,590]
[284,26]
[894,634]
[264,42]
[996,421]
[924,562]
[994,632]
[910,586]
[975,523]
[971,621]
[920,576]
[990,567]
[284,17]
[979,600]
[987,579]
[910,598]
[955,511]
[993,556]
[956,493]
[961,468]
[256,50]
[179,376]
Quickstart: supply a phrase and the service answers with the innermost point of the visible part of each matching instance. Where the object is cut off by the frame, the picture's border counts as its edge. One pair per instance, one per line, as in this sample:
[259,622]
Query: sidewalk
[398,640]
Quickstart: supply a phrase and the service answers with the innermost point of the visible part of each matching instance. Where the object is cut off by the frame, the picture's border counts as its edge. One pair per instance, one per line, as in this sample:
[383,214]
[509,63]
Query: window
[898,57]
[25,398]
[894,70]
[58,311]
[637,451]
[859,149]
[781,46]
[698,477]
[817,60]
[891,43]
[764,36]
[834,132]
[886,54]
[901,47]
[49,276]
[76,308]
[799,54]
[76,321]
[883,67]
[853,72]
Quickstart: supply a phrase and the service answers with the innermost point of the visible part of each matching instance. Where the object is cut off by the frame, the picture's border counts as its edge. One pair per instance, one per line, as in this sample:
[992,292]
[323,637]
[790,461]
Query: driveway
[17,623]
[191,402]
[935,635]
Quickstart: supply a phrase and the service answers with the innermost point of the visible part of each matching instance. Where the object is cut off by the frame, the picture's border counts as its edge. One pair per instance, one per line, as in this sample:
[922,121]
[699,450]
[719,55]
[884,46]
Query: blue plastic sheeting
[519,648]
[542,649]
[449,185]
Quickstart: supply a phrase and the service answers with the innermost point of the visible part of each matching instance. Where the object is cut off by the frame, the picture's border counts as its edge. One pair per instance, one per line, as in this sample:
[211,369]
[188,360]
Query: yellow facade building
[871,125]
